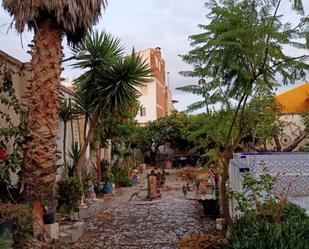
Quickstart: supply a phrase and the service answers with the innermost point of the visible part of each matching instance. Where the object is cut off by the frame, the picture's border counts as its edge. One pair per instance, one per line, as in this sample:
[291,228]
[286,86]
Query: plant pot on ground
[108,179]
[7,221]
[108,188]
[15,219]
[49,216]
[6,227]
[70,192]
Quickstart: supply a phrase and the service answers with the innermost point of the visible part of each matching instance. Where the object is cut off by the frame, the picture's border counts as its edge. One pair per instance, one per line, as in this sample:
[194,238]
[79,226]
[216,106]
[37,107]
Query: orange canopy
[295,100]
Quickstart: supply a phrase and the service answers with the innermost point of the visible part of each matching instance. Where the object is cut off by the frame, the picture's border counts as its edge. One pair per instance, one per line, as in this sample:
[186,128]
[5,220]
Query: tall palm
[49,20]
[110,80]
[67,112]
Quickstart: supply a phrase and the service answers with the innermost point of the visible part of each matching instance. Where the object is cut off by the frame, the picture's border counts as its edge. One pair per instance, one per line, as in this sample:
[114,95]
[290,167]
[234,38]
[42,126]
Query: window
[142,111]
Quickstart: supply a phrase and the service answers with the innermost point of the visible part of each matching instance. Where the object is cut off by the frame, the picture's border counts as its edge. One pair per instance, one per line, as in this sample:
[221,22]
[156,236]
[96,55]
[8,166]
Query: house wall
[158,100]
[148,100]
[291,170]
[22,74]
[293,128]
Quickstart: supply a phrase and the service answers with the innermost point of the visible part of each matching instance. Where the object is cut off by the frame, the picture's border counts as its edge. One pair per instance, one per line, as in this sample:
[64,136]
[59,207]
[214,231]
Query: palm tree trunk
[41,100]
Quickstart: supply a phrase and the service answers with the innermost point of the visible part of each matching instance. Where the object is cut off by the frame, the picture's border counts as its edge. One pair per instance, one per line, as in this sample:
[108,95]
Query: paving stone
[140,224]
[52,230]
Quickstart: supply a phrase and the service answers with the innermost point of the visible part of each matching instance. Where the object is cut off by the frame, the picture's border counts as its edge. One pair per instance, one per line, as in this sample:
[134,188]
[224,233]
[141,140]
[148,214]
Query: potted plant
[7,223]
[49,216]
[98,187]
[15,219]
[70,192]
[108,179]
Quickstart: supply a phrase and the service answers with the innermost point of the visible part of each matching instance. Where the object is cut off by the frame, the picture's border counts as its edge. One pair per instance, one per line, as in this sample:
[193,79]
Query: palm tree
[49,20]
[67,113]
[110,81]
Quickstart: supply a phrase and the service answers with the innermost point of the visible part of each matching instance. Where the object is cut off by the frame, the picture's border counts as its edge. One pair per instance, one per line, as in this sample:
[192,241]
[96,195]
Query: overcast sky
[142,24]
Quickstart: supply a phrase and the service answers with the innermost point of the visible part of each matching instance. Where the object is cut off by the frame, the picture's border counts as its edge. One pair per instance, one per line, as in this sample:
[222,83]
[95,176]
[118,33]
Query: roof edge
[9,59]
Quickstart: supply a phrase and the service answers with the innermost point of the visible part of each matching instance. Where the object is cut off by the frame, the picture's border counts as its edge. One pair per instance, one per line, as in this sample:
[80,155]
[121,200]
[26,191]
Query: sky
[143,24]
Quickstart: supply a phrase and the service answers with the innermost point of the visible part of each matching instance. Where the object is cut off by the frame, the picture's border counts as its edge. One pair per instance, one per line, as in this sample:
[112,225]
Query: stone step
[71,233]
[65,237]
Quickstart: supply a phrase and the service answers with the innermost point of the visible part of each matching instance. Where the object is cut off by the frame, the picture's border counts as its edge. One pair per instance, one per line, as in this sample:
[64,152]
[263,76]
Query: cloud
[142,24]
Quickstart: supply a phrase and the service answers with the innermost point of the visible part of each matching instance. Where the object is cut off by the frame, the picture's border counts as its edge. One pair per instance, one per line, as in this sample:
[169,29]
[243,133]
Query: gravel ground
[140,224]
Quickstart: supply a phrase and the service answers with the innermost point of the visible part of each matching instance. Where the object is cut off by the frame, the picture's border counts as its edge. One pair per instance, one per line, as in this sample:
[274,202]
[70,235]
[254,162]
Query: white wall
[149,102]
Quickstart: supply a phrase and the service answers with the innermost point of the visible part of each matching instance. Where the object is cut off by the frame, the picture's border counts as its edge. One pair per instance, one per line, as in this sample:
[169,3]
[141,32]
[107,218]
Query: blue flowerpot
[107,188]
[134,181]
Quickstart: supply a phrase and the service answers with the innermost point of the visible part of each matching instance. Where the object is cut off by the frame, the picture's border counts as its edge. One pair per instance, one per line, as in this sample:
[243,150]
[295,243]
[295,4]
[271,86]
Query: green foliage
[70,192]
[293,213]
[122,150]
[171,128]
[74,155]
[68,111]
[251,231]
[107,175]
[256,191]
[108,88]
[266,220]
[239,50]
[6,240]
[23,217]
[9,131]
[121,178]
[110,80]
[262,118]
[238,55]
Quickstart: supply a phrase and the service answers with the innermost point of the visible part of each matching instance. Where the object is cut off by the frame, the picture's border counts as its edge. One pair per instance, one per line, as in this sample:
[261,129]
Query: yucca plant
[109,83]
[67,113]
[74,155]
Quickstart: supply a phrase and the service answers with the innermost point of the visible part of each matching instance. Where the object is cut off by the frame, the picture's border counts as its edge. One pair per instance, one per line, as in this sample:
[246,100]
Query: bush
[254,231]
[267,221]
[70,192]
[6,241]
[121,178]
[293,213]
[24,220]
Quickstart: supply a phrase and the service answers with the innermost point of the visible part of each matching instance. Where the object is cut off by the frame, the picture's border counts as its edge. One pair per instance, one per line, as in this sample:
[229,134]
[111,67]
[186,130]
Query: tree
[263,123]
[240,55]
[109,84]
[67,113]
[49,20]
[171,128]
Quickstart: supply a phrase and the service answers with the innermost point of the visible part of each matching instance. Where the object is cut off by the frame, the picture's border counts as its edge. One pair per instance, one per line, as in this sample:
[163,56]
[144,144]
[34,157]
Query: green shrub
[24,220]
[70,192]
[267,221]
[6,241]
[121,178]
[253,231]
[293,213]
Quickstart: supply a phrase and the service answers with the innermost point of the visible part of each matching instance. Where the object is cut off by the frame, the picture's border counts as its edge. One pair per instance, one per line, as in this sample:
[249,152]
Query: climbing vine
[10,133]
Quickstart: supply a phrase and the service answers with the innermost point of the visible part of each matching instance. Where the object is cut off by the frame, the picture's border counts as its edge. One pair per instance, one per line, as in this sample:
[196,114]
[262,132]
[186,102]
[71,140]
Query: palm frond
[74,17]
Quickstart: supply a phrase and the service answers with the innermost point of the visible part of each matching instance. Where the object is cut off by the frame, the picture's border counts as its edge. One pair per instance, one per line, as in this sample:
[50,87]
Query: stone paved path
[139,224]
